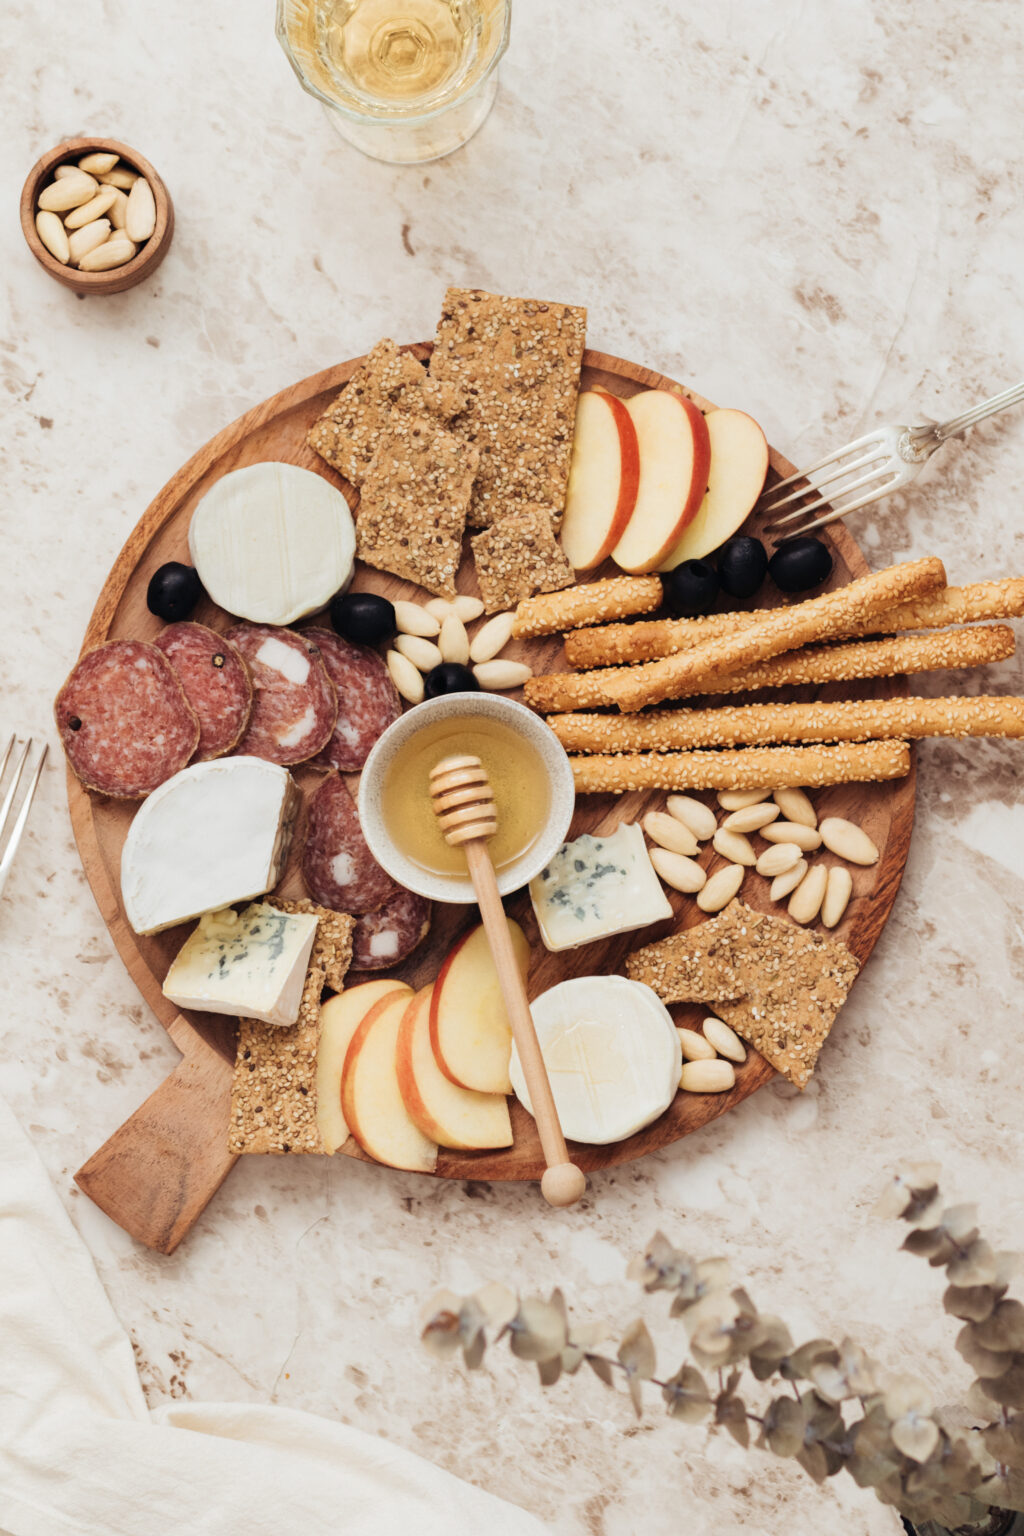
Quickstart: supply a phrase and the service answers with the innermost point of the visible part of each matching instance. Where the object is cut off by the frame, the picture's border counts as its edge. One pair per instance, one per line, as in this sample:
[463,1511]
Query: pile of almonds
[96,214]
[814,891]
[708,1057]
[434,632]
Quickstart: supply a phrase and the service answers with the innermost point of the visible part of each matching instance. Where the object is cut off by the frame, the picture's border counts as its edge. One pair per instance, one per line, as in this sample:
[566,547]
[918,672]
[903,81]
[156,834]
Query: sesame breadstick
[560,692]
[782,629]
[753,725]
[773,767]
[618,643]
[593,603]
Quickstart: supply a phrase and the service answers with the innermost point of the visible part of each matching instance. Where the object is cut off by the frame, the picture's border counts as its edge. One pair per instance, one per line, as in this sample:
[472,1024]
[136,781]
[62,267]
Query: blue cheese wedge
[252,964]
[595,887]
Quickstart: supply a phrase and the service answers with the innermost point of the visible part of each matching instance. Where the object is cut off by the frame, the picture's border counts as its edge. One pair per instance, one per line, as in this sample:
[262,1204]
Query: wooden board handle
[162,1166]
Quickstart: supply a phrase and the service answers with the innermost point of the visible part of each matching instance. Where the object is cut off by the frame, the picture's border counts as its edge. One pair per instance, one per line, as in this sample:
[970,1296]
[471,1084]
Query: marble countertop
[807,212]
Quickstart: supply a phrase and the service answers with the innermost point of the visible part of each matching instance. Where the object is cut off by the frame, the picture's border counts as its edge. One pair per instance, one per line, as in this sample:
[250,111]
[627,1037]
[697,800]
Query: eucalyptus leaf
[785,1421]
[498,1304]
[661,1267]
[1005,1441]
[982,1361]
[1007,1389]
[976,1266]
[687,1395]
[538,1330]
[1003,1329]
[636,1352]
[916,1436]
[814,1461]
[549,1370]
[974,1302]
[473,1351]
[1005,1491]
[771,1349]
[440,1333]
[799,1361]
[961,1222]
[730,1412]
[601,1368]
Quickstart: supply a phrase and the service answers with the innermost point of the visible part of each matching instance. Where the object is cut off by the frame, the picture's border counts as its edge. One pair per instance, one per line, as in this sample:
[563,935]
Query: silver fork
[10,848]
[879,463]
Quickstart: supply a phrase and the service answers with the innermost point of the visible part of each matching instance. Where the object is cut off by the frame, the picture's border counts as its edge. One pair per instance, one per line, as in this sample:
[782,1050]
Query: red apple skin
[629,480]
[716,520]
[403,1061]
[692,500]
[355,1045]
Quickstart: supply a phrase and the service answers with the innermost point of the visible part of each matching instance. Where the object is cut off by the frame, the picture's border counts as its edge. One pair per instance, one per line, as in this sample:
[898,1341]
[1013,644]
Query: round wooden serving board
[156,1173]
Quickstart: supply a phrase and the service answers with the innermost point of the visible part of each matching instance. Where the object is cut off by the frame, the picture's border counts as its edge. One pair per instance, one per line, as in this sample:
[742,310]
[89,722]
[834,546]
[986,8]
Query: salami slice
[337,866]
[294,706]
[216,682]
[386,937]
[368,700]
[124,720]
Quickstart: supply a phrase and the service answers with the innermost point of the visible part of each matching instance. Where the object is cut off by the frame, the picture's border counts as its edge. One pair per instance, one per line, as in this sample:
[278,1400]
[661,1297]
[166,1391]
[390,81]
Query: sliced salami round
[294,706]
[124,720]
[386,937]
[216,682]
[368,700]
[337,866]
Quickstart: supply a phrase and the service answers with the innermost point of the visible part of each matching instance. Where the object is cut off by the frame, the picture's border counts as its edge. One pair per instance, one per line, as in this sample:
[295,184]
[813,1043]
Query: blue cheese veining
[595,887]
[252,964]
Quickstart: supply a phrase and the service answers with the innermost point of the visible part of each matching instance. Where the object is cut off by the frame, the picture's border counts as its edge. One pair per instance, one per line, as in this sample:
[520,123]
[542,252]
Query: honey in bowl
[517,776]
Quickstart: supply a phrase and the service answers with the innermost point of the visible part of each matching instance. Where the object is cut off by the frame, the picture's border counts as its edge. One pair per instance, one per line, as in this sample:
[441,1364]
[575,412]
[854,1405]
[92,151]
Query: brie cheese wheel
[596,886]
[612,1054]
[272,542]
[215,833]
[251,964]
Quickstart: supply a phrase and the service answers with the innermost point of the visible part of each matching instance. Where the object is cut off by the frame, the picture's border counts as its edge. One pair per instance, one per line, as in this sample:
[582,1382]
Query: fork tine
[826,462]
[768,504]
[12,788]
[830,517]
[882,476]
[26,805]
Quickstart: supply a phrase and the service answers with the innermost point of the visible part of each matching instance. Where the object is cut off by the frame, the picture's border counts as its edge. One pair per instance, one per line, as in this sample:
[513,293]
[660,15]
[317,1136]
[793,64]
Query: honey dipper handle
[563,1183]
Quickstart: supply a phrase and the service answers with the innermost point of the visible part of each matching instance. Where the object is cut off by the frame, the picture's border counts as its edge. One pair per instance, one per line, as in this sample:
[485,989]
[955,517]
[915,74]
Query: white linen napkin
[81,1455]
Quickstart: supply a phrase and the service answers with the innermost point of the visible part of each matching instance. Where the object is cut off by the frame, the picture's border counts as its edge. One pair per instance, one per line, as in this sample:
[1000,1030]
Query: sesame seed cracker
[517,556]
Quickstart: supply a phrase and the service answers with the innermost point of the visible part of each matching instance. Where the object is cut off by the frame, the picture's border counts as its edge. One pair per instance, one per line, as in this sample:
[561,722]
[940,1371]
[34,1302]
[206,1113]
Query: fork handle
[957,424]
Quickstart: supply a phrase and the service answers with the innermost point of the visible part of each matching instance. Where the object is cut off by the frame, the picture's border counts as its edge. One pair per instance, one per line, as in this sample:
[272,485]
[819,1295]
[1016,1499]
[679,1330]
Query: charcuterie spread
[453,512]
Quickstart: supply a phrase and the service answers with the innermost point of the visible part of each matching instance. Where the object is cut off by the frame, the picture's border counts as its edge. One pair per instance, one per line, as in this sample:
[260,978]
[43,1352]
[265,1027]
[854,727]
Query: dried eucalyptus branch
[826,1405]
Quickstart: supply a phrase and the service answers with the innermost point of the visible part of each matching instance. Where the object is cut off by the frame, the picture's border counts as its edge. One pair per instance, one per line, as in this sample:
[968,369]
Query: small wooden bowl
[149,256]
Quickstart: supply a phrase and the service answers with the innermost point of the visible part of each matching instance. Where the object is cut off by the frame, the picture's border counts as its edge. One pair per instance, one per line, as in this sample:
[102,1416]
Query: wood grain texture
[275,430]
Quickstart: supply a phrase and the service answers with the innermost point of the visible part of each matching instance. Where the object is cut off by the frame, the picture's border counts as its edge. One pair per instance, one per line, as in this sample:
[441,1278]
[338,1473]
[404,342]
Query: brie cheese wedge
[215,833]
[272,542]
[612,1055]
[251,964]
[596,886]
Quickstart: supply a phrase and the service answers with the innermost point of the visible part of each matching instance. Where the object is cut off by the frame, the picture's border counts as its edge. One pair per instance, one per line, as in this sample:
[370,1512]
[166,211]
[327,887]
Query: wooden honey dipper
[463,802]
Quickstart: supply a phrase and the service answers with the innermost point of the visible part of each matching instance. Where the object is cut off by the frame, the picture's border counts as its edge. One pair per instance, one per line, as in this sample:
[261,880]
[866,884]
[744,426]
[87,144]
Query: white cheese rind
[214,834]
[612,1054]
[252,966]
[272,542]
[595,887]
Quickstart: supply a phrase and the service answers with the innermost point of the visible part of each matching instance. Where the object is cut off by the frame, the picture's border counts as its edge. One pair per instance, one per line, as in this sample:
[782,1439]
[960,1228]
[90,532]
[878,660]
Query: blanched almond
[681,873]
[95,208]
[69,192]
[837,895]
[736,799]
[492,637]
[120,177]
[707,1076]
[112,253]
[848,840]
[725,1040]
[721,888]
[795,806]
[735,847]
[98,162]
[83,241]
[467,608]
[751,818]
[405,677]
[777,859]
[807,838]
[784,885]
[669,833]
[140,220]
[118,209]
[694,1046]
[453,641]
[498,676]
[440,608]
[700,818]
[805,902]
[422,653]
[67,170]
[51,232]
[414,620]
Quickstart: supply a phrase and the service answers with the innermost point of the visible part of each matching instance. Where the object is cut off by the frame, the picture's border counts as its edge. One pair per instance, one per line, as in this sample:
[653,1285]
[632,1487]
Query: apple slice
[469,1030]
[739,463]
[603,479]
[675,454]
[340,1017]
[371,1099]
[454,1116]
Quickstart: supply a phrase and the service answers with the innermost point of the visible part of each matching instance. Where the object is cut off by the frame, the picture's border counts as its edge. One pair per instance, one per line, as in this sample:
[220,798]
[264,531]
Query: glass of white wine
[402,80]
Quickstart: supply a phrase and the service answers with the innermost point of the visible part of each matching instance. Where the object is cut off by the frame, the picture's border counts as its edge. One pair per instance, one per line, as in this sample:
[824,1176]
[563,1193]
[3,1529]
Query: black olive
[742,566]
[800,564]
[173,591]
[449,677]
[365,618]
[692,588]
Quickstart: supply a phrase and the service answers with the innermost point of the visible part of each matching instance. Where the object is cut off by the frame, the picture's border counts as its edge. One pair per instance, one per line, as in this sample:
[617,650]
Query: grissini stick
[593,603]
[748,768]
[463,802]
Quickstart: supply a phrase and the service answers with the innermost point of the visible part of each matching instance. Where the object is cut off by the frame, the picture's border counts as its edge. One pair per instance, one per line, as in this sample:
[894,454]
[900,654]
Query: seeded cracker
[346,434]
[518,363]
[517,556]
[415,495]
[273,1094]
[682,969]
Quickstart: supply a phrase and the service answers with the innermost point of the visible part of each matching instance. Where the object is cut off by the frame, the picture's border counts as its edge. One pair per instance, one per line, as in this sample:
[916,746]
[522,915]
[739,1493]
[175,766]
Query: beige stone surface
[813,213]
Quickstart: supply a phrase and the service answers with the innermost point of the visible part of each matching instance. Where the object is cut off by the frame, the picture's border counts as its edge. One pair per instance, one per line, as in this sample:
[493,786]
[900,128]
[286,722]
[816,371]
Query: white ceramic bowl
[518,718]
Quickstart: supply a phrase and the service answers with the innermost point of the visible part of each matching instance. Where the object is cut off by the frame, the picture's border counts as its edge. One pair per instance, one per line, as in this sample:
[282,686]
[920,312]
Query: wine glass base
[418,140]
